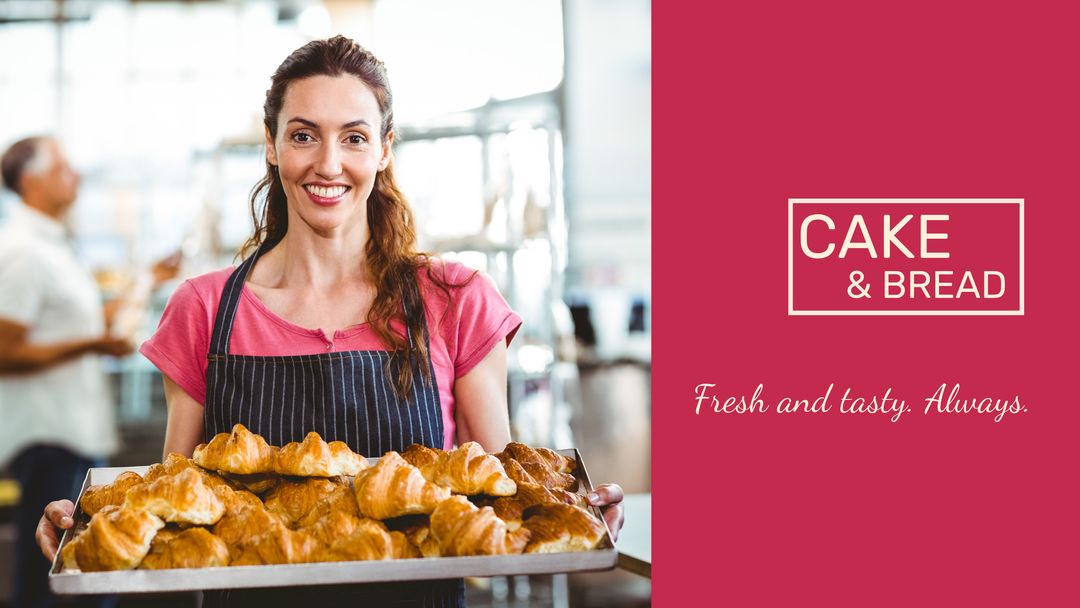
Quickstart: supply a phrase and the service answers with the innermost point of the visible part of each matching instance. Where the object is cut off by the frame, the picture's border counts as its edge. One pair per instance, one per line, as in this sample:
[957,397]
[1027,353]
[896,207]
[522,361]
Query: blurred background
[524,148]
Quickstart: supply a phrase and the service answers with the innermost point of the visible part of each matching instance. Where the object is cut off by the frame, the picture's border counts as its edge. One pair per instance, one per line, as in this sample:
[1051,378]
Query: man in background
[56,414]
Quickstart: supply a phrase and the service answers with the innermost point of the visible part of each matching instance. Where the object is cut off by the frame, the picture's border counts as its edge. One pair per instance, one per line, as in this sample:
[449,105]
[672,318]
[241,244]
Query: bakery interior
[524,149]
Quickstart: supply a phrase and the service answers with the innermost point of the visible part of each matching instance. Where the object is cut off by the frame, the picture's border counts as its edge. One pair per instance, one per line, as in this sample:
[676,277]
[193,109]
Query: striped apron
[344,396]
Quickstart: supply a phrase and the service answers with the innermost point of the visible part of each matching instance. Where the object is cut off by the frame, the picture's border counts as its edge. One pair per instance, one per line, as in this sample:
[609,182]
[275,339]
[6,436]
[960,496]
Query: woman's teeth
[332,192]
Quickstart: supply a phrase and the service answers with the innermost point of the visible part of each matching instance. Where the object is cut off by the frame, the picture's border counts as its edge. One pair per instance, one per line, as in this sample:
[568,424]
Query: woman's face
[328,151]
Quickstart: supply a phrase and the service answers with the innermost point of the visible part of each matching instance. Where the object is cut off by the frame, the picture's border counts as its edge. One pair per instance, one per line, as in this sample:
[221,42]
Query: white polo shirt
[44,287]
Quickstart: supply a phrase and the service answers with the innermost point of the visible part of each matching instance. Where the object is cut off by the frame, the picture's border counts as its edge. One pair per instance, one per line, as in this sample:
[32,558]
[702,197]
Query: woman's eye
[356,139]
[301,137]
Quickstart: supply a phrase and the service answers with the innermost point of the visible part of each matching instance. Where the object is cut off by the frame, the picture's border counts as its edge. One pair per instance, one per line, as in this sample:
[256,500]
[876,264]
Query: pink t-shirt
[461,335]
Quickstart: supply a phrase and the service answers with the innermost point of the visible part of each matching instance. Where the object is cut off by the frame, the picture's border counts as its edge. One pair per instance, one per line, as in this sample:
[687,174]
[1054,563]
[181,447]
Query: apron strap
[230,298]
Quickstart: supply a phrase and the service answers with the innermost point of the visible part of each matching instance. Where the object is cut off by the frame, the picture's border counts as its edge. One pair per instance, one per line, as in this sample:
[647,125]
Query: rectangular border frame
[897,313]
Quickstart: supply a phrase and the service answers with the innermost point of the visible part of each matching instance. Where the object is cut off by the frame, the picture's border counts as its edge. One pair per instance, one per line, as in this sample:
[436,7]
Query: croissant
[294,499]
[116,539]
[315,458]
[256,483]
[515,471]
[236,528]
[560,463]
[465,470]
[557,528]
[192,548]
[420,537]
[340,500]
[241,452]
[68,557]
[174,463]
[403,548]
[394,487]
[511,508]
[163,537]
[97,497]
[182,498]
[337,525]
[543,466]
[278,545]
[367,542]
[236,500]
[463,529]
[422,457]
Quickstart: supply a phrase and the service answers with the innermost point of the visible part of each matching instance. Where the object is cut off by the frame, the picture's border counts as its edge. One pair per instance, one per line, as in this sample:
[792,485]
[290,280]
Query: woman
[335,323]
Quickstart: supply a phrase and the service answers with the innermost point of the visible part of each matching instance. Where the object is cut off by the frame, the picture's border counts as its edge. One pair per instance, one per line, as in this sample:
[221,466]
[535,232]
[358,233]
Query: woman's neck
[307,260]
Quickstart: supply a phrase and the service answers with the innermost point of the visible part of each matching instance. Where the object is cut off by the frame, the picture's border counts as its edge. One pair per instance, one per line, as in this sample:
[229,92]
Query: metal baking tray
[604,557]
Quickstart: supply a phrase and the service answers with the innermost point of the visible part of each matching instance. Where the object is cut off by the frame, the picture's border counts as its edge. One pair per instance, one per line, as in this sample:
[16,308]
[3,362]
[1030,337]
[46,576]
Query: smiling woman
[334,322]
[329,123]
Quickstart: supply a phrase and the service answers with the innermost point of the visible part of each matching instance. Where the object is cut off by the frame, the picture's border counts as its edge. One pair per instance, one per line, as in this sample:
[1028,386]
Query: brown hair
[15,160]
[391,254]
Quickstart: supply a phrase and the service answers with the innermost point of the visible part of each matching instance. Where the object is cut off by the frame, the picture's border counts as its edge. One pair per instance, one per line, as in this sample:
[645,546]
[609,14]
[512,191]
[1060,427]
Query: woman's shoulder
[205,288]
[213,279]
[455,286]
[449,272]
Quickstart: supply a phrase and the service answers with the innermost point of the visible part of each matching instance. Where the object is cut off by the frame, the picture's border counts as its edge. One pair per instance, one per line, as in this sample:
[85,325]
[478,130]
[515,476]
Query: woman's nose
[329,162]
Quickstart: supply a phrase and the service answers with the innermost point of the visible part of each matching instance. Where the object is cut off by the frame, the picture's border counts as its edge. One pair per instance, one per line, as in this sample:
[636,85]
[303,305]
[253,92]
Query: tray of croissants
[242,513]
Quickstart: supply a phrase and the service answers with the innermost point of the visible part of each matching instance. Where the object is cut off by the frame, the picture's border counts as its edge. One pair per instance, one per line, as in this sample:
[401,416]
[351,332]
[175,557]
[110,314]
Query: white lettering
[866,243]
[926,236]
[890,236]
[804,241]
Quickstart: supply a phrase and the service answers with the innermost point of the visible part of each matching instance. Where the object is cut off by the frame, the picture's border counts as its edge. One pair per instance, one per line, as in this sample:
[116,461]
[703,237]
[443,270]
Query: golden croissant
[181,498]
[422,457]
[315,458]
[511,508]
[337,525]
[394,487]
[403,548]
[256,483]
[558,527]
[67,555]
[238,527]
[515,471]
[236,500]
[97,497]
[294,499]
[543,466]
[419,536]
[191,548]
[463,529]
[116,539]
[367,542]
[278,545]
[174,463]
[465,470]
[340,500]
[241,452]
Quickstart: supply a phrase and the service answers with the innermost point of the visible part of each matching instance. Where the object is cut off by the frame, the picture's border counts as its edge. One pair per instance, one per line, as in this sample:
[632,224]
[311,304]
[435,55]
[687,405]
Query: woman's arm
[184,430]
[480,397]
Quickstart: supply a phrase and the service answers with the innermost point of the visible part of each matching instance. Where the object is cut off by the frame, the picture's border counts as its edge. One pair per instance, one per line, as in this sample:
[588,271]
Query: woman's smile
[326,195]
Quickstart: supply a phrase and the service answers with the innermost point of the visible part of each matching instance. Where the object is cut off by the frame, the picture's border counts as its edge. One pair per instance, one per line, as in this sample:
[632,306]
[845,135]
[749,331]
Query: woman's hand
[609,497]
[57,517]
